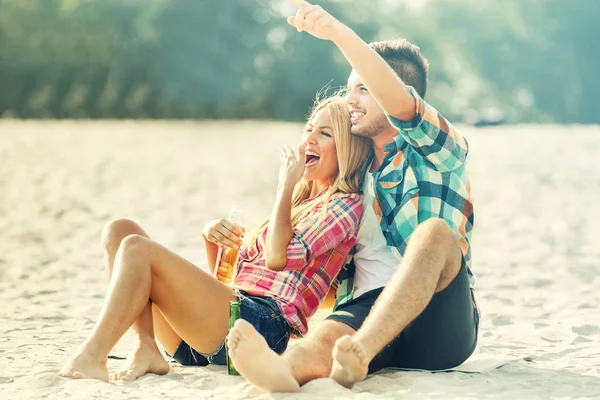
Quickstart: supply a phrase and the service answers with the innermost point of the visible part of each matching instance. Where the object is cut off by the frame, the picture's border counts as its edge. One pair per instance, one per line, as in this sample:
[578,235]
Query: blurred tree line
[518,61]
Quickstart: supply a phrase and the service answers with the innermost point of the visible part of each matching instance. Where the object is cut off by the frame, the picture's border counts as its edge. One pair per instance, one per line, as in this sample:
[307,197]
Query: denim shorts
[263,313]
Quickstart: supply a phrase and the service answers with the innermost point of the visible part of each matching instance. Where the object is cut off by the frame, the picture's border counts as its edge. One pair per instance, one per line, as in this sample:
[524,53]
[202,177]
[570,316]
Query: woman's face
[321,163]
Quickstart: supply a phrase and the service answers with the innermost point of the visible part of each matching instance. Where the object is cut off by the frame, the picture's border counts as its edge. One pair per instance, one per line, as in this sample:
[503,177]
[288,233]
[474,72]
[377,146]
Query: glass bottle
[234,315]
[226,263]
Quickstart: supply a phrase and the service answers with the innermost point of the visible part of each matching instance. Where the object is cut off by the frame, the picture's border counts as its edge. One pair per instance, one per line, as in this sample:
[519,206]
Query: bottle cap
[235,214]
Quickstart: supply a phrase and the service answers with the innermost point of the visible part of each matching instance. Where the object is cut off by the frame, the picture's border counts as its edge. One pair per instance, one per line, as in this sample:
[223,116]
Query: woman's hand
[292,167]
[224,233]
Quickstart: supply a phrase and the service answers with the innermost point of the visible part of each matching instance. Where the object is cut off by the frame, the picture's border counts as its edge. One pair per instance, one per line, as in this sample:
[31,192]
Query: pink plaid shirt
[315,255]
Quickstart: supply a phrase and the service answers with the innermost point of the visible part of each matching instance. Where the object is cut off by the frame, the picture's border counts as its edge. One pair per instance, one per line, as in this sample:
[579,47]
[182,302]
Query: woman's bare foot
[83,366]
[144,359]
[350,364]
[256,362]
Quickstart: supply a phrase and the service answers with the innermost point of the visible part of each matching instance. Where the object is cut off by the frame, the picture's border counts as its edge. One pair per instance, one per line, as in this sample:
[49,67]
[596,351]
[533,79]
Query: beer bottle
[227,257]
[234,315]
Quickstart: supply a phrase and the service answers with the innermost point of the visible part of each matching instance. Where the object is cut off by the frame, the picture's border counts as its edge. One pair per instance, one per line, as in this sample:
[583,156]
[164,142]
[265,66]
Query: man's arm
[430,134]
[433,137]
[381,80]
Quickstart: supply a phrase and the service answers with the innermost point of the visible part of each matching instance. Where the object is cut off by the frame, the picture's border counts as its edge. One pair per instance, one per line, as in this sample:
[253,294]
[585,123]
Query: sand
[536,250]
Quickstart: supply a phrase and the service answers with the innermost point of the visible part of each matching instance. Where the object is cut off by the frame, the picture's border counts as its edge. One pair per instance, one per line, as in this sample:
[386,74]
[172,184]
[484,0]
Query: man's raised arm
[430,134]
[381,80]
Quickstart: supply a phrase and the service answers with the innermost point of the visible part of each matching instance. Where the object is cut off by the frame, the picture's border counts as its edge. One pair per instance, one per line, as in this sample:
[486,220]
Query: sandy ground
[536,250]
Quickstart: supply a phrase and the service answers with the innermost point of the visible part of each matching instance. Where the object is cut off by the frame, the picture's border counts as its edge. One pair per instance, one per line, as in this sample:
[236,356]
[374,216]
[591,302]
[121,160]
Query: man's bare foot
[144,359]
[256,362]
[82,366]
[350,364]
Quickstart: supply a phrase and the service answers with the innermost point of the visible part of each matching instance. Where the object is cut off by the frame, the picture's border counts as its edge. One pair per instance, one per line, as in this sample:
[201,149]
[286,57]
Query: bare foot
[256,362]
[82,366]
[350,364]
[144,359]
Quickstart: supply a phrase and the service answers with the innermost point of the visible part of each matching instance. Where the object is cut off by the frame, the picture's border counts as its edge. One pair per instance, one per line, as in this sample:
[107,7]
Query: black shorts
[443,336]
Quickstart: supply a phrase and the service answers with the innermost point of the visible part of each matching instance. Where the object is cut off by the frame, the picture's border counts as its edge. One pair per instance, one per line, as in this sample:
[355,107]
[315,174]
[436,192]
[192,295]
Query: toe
[78,375]
[232,342]
[344,343]
[360,354]
[128,377]
[244,328]
[355,348]
[234,335]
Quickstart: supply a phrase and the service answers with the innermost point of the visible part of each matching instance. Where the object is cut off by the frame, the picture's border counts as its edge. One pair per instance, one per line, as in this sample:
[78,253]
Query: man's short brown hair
[406,59]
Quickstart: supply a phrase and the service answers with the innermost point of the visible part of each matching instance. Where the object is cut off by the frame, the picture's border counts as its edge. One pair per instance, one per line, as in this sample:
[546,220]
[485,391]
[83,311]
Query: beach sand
[536,250]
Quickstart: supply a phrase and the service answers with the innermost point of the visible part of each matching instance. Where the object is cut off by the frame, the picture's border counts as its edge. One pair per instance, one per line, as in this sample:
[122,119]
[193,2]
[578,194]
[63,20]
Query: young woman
[283,274]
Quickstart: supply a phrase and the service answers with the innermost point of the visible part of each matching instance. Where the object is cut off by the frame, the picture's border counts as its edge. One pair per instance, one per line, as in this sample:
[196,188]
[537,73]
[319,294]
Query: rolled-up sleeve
[433,136]
[322,234]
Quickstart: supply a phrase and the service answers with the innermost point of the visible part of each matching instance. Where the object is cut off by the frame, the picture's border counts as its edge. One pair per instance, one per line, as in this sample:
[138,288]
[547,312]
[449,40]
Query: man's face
[368,118]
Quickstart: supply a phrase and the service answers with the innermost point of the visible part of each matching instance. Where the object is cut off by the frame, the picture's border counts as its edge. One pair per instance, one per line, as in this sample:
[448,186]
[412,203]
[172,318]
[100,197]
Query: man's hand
[316,21]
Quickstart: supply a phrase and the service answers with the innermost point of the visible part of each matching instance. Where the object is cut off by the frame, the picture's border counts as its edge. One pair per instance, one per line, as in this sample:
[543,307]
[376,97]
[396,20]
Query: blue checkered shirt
[423,175]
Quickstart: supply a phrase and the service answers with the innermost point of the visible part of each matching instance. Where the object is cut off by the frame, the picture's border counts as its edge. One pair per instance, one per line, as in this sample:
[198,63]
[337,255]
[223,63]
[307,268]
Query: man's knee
[436,232]
[115,231]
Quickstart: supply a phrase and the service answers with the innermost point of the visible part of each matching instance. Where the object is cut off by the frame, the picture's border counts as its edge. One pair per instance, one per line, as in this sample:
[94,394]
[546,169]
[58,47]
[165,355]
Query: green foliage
[526,61]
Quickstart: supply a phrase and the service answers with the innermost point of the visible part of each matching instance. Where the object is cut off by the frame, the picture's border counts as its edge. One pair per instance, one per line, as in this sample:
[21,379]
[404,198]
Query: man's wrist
[346,34]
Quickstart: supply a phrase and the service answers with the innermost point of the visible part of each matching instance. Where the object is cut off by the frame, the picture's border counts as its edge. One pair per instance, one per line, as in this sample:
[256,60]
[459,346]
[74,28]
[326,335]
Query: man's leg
[308,359]
[431,261]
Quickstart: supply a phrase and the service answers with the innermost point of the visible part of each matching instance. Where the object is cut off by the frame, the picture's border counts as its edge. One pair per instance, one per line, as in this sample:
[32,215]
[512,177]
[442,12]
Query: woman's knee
[133,251]
[115,231]
[133,244]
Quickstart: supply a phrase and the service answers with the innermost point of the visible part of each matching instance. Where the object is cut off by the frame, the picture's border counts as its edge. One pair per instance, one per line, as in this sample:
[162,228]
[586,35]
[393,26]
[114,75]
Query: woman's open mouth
[311,159]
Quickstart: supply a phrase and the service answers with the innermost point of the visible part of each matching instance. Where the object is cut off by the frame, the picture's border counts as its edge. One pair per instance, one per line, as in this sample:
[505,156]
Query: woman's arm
[279,231]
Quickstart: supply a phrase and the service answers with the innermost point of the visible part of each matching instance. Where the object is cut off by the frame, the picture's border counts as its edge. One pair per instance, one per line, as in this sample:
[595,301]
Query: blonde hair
[352,152]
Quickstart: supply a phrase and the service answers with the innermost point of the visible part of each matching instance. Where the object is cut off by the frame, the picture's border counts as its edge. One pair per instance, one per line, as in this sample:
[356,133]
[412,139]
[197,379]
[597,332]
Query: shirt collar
[391,149]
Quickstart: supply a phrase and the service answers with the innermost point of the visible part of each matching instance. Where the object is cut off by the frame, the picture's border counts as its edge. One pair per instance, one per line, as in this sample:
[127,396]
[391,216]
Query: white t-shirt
[375,262]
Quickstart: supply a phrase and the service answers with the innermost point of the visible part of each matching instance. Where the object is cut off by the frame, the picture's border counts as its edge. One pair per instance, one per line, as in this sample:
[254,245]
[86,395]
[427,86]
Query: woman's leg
[145,356]
[113,234]
[195,304]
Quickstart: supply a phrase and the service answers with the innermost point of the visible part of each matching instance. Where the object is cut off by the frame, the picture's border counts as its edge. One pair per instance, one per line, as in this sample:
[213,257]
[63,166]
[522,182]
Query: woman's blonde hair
[352,152]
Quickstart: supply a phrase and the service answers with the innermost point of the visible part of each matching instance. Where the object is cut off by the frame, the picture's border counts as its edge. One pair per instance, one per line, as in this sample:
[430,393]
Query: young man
[408,301]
